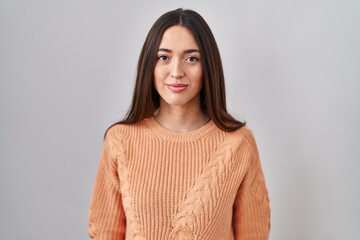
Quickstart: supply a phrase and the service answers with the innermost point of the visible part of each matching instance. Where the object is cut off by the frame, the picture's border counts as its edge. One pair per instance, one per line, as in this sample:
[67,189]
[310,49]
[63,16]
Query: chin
[175,103]
[181,101]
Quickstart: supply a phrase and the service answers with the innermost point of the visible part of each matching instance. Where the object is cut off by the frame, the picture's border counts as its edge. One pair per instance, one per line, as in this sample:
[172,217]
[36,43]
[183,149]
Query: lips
[177,87]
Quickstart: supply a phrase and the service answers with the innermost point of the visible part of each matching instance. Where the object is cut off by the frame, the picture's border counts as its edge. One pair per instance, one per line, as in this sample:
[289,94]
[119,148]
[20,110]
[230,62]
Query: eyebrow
[186,51]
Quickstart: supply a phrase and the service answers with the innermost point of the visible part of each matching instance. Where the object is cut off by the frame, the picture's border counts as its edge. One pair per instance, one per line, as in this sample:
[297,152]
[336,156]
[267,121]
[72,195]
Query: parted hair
[146,99]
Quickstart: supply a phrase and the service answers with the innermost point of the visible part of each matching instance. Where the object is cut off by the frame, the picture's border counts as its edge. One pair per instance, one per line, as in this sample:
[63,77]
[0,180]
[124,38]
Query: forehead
[178,37]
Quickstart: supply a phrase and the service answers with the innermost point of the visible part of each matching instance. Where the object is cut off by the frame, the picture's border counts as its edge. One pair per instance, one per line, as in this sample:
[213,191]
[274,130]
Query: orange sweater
[156,184]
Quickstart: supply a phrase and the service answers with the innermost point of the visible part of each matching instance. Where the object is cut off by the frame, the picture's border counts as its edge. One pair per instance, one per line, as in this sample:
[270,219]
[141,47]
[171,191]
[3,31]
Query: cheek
[156,78]
[156,74]
[159,73]
[198,76]
[159,78]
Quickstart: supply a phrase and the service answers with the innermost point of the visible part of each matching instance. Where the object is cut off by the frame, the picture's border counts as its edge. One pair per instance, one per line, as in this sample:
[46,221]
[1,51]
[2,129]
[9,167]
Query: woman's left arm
[251,212]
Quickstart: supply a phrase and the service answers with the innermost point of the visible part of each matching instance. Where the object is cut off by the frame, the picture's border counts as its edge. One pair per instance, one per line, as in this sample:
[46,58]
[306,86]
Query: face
[178,70]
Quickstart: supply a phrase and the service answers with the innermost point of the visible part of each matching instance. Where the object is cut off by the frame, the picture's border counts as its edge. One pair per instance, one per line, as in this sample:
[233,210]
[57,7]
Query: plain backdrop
[292,71]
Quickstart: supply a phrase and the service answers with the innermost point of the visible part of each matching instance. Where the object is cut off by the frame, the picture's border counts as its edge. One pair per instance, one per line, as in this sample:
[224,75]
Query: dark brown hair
[213,98]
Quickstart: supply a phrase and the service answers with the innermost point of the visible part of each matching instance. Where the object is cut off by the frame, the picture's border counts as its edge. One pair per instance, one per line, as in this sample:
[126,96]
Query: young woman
[179,166]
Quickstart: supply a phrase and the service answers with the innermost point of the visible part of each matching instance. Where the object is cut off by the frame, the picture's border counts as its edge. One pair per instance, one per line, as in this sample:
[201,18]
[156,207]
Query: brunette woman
[179,166]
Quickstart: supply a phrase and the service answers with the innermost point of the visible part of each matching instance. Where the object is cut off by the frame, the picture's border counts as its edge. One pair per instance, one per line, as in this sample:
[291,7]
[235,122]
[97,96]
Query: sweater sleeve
[251,216]
[106,213]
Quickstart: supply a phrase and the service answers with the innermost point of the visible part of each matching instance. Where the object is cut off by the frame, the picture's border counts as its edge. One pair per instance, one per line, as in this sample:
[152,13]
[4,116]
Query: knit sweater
[157,184]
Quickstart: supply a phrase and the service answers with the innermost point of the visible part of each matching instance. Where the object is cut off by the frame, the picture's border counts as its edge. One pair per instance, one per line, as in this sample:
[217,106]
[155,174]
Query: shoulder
[123,132]
[245,133]
[115,141]
[115,131]
[246,137]
[115,135]
[122,129]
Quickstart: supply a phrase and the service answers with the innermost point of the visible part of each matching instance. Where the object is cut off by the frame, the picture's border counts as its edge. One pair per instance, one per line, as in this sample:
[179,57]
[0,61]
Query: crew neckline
[165,133]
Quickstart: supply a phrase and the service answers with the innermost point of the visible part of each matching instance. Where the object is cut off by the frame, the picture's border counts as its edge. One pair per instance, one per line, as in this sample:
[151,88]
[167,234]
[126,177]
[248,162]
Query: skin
[178,80]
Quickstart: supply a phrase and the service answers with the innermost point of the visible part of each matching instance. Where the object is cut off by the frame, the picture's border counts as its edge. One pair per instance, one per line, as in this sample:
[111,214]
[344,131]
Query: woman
[179,166]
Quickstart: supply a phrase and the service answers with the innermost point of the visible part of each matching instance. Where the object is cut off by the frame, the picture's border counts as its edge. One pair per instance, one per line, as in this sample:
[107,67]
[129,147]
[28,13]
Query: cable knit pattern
[131,218]
[206,193]
[153,183]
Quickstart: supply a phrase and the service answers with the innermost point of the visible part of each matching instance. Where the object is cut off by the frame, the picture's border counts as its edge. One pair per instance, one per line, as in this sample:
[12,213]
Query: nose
[177,69]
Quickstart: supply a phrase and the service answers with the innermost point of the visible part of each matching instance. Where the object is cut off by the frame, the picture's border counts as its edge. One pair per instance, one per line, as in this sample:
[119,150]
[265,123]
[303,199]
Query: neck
[180,119]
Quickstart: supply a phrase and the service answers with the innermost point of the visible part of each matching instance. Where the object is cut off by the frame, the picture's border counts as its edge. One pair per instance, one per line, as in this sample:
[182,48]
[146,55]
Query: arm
[251,216]
[106,213]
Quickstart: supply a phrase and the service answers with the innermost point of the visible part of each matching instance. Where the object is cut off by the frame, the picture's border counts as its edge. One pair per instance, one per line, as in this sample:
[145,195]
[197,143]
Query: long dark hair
[213,98]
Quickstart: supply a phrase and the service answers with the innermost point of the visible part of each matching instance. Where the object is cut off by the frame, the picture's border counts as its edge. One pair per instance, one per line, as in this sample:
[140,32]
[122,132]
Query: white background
[292,71]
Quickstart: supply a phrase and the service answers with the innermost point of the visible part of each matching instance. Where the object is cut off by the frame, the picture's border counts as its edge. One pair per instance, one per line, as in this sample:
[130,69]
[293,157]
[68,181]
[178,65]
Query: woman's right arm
[106,214]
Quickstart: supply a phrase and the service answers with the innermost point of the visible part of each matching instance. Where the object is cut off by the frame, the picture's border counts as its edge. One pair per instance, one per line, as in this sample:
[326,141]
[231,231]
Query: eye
[192,59]
[163,58]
